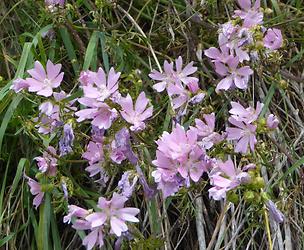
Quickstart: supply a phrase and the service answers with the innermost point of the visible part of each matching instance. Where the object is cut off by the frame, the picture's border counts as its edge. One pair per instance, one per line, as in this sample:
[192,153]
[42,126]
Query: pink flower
[94,238]
[225,177]
[217,55]
[250,13]
[95,156]
[178,144]
[235,77]
[272,121]
[43,81]
[48,118]
[166,174]
[171,76]
[75,211]
[113,214]
[273,39]
[178,94]
[194,167]
[228,30]
[125,186]
[235,42]
[101,114]
[244,134]
[103,86]
[247,115]
[94,152]
[87,77]
[206,128]
[19,85]
[138,114]
[179,159]
[205,131]
[47,163]
[35,190]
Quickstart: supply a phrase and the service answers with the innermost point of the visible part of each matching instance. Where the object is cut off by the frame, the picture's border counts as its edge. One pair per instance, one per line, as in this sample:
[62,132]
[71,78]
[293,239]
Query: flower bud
[249,196]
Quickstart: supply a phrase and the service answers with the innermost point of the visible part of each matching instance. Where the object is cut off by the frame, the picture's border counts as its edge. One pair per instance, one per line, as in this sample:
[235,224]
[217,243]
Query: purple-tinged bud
[148,191]
[66,140]
[274,212]
[121,147]
[272,121]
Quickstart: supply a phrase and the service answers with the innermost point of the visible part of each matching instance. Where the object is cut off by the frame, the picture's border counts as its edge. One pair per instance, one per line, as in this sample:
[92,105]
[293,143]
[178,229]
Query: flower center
[47,82]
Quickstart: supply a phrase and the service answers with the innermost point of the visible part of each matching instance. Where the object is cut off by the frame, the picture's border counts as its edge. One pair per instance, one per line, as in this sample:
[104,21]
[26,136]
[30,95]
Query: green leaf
[268,98]
[7,117]
[91,51]
[55,232]
[70,48]
[3,188]
[294,167]
[105,57]
[6,239]
[18,175]
[44,223]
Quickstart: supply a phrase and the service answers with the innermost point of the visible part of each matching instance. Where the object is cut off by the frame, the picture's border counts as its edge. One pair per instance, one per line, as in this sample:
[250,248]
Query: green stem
[268,228]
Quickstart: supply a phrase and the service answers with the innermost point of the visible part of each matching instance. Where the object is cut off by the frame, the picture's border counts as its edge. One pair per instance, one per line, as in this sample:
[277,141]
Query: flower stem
[268,228]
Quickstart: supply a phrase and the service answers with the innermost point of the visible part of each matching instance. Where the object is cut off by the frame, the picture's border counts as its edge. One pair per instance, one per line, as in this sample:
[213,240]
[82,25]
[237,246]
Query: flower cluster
[106,126]
[239,42]
[179,84]
[110,218]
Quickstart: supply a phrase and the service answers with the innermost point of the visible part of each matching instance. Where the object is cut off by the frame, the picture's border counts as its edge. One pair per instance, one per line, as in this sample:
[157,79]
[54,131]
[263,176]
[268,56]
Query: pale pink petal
[57,81]
[141,103]
[38,72]
[90,240]
[118,226]
[97,219]
[47,91]
[52,70]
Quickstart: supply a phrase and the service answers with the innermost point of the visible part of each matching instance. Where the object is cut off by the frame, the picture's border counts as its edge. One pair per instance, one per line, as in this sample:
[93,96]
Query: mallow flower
[234,76]
[95,156]
[137,114]
[35,189]
[44,81]
[114,214]
[179,159]
[178,144]
[247,115]
[172,76]
[225,177]
[100,113]
[205,131]
[273,39]
[127,184]
[99,86]
[47,163]
[166,175]
[244,134]
[49,117]
[250,12]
